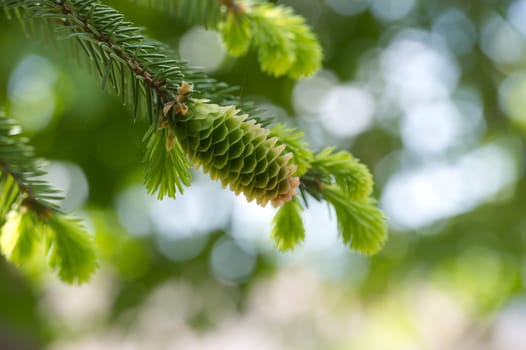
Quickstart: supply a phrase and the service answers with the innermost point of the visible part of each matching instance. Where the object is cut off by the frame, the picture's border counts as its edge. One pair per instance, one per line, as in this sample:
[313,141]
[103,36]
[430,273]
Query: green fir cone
[238,152]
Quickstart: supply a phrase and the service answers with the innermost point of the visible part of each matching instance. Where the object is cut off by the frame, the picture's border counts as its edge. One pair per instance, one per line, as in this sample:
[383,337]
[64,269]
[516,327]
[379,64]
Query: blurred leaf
[348,173]
[237,34]
[70,250]
[19,236]
[285,44]
[288,231]
[197,12]
[361,224]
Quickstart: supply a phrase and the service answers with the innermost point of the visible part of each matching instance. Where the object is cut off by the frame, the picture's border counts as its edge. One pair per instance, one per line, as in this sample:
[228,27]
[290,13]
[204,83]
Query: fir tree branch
[111,42]
[212,126]
[121,54]
[20,172]
[28,218]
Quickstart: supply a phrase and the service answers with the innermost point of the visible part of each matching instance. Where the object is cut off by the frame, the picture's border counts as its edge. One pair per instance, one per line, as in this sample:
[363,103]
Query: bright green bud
[19,237]
[237,33]
[70,249]
[308,52]
[360,223]
[9,190]
[166,168]
[286,45]
[353,177]
[238,152]
[274,41]
[288,230]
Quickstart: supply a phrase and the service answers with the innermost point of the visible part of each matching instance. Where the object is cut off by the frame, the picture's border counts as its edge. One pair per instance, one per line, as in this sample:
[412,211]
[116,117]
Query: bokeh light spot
[418,68]
[348,7]
[431,128]
[457,30]
[202,208]
[347,111]
[414,198]
[512,93]
[181,249]
[391,10]
[309,93]
[69,179]
[510,325]
[132,210]
[31,93]
[203,48]
[502,42]
[517,16]
[249,225]
[229,263]
[439,126]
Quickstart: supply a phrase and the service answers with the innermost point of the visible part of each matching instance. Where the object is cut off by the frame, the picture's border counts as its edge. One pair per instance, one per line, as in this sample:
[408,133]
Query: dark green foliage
[142,71]
[201,12]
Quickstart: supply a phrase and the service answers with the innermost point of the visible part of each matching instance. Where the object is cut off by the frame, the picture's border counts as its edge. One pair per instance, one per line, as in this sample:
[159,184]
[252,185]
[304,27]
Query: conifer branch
[110,41]
[28,218]
[19,174]
[190,112]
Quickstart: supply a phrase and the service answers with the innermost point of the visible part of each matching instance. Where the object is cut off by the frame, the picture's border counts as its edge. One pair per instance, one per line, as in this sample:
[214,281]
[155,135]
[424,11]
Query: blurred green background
[430,94]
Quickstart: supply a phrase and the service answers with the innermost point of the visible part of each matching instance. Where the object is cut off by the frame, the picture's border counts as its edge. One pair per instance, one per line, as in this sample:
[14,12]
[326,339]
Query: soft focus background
[430,94]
